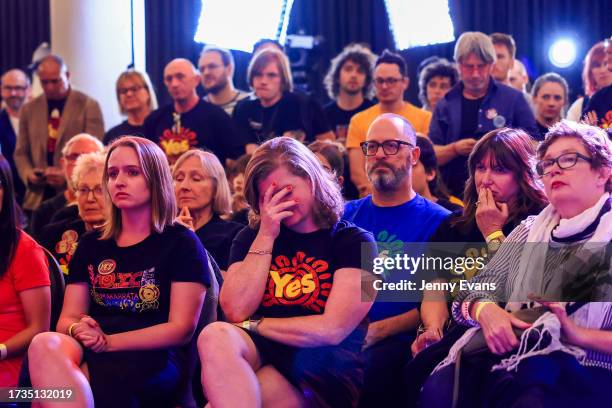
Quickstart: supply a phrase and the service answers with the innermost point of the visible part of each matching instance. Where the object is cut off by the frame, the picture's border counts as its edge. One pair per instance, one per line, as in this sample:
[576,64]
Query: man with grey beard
[395,214]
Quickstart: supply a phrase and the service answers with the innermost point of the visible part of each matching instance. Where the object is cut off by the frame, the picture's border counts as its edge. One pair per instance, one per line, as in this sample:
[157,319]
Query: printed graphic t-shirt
[411,222]
[130,286]
[205,126]
[303,266]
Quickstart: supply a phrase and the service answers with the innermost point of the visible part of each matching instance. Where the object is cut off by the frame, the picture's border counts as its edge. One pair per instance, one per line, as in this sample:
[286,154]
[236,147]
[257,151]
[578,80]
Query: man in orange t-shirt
[391,81]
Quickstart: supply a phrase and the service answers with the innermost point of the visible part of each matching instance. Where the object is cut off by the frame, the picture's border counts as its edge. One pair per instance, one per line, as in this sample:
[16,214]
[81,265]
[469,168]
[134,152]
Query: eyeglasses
[390,147]
[84,191]
[564,161]
[390,81]
[133,89]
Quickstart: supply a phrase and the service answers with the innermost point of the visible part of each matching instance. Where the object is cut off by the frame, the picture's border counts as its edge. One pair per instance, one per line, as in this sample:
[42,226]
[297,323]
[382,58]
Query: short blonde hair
[87,163]
[145,81]
[156,171]
[300,161]
[263,58]
[222,200]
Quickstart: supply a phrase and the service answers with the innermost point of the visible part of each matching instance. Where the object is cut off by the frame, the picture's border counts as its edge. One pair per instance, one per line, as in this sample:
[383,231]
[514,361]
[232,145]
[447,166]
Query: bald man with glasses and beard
[395,214]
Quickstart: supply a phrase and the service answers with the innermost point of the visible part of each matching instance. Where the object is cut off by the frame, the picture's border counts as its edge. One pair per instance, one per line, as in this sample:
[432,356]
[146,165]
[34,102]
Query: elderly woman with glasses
[61,238]
[559,259]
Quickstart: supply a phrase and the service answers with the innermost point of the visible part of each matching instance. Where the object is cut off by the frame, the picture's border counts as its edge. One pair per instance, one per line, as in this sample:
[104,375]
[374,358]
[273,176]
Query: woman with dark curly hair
[434,81]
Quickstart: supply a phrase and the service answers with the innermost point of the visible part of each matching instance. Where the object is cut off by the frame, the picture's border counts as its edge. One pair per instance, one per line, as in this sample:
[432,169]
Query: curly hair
[357,54]
[442,68]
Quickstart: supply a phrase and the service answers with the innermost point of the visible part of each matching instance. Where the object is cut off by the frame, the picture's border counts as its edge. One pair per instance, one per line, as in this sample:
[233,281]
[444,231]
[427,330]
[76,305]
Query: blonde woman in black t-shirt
[133,296]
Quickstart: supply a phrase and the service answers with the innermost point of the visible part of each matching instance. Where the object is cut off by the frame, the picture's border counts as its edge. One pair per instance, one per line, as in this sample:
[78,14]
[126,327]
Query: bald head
[391,151]
[15,86]
[391,126]
[181,79]
[54,77]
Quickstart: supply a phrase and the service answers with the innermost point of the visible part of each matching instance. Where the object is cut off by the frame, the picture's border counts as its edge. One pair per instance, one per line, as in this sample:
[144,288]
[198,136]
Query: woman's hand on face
[490,215]
[497,327]
[185,218]
[273,209]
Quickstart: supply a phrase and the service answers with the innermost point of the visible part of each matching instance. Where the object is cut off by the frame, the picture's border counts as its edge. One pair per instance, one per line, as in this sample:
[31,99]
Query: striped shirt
[503,271]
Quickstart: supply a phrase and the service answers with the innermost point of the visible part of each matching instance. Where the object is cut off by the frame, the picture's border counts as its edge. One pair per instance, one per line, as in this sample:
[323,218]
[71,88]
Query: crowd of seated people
[277,208]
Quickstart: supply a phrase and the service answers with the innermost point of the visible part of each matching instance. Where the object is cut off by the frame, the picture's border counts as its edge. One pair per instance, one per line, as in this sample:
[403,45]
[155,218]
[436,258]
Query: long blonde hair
[154,166]
[300,161]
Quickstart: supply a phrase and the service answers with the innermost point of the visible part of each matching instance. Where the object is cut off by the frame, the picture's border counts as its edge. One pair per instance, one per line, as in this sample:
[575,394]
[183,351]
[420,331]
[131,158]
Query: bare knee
[218,339]
[50,346]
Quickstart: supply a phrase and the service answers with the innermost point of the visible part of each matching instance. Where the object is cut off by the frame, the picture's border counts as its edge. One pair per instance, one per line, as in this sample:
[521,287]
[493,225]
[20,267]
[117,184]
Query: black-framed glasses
[389,81]
[390,147]
[564,161]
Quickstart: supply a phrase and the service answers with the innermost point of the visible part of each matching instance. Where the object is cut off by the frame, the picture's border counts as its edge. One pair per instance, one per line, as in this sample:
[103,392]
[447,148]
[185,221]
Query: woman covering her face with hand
[501,191]
[134,292]
[293,292]
[559,259]
[203,196]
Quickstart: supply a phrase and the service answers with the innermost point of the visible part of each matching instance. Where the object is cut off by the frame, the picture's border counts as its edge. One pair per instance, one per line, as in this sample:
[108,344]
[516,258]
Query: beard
[216,88]
[387,182]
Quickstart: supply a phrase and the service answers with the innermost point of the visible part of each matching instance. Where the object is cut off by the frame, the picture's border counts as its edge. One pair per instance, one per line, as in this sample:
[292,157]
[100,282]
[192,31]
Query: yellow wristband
[479,308]
[70,329]
[494,235]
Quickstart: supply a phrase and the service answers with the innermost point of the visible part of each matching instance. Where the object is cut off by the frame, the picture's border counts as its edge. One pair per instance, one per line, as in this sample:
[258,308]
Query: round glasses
[564,161]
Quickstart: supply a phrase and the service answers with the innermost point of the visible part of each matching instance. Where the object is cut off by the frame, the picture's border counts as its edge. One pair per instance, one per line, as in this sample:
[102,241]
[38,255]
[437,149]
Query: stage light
[415,24]
[562,53]
[238,24]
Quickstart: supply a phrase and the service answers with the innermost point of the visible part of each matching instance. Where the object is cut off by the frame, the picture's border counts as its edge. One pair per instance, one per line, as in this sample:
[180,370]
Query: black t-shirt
[303,266]
[68,213]
[124,128]
[205,126]
[130,286]
[43,214]
[217,236]
[61,239]
[338,117]
[449,205]
[601,103]
[455,172]
[293,112]
[542,129]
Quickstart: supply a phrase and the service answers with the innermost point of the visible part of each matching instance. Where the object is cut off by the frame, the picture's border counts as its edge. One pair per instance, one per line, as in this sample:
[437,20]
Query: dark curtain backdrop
[24,25]
[534,24]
